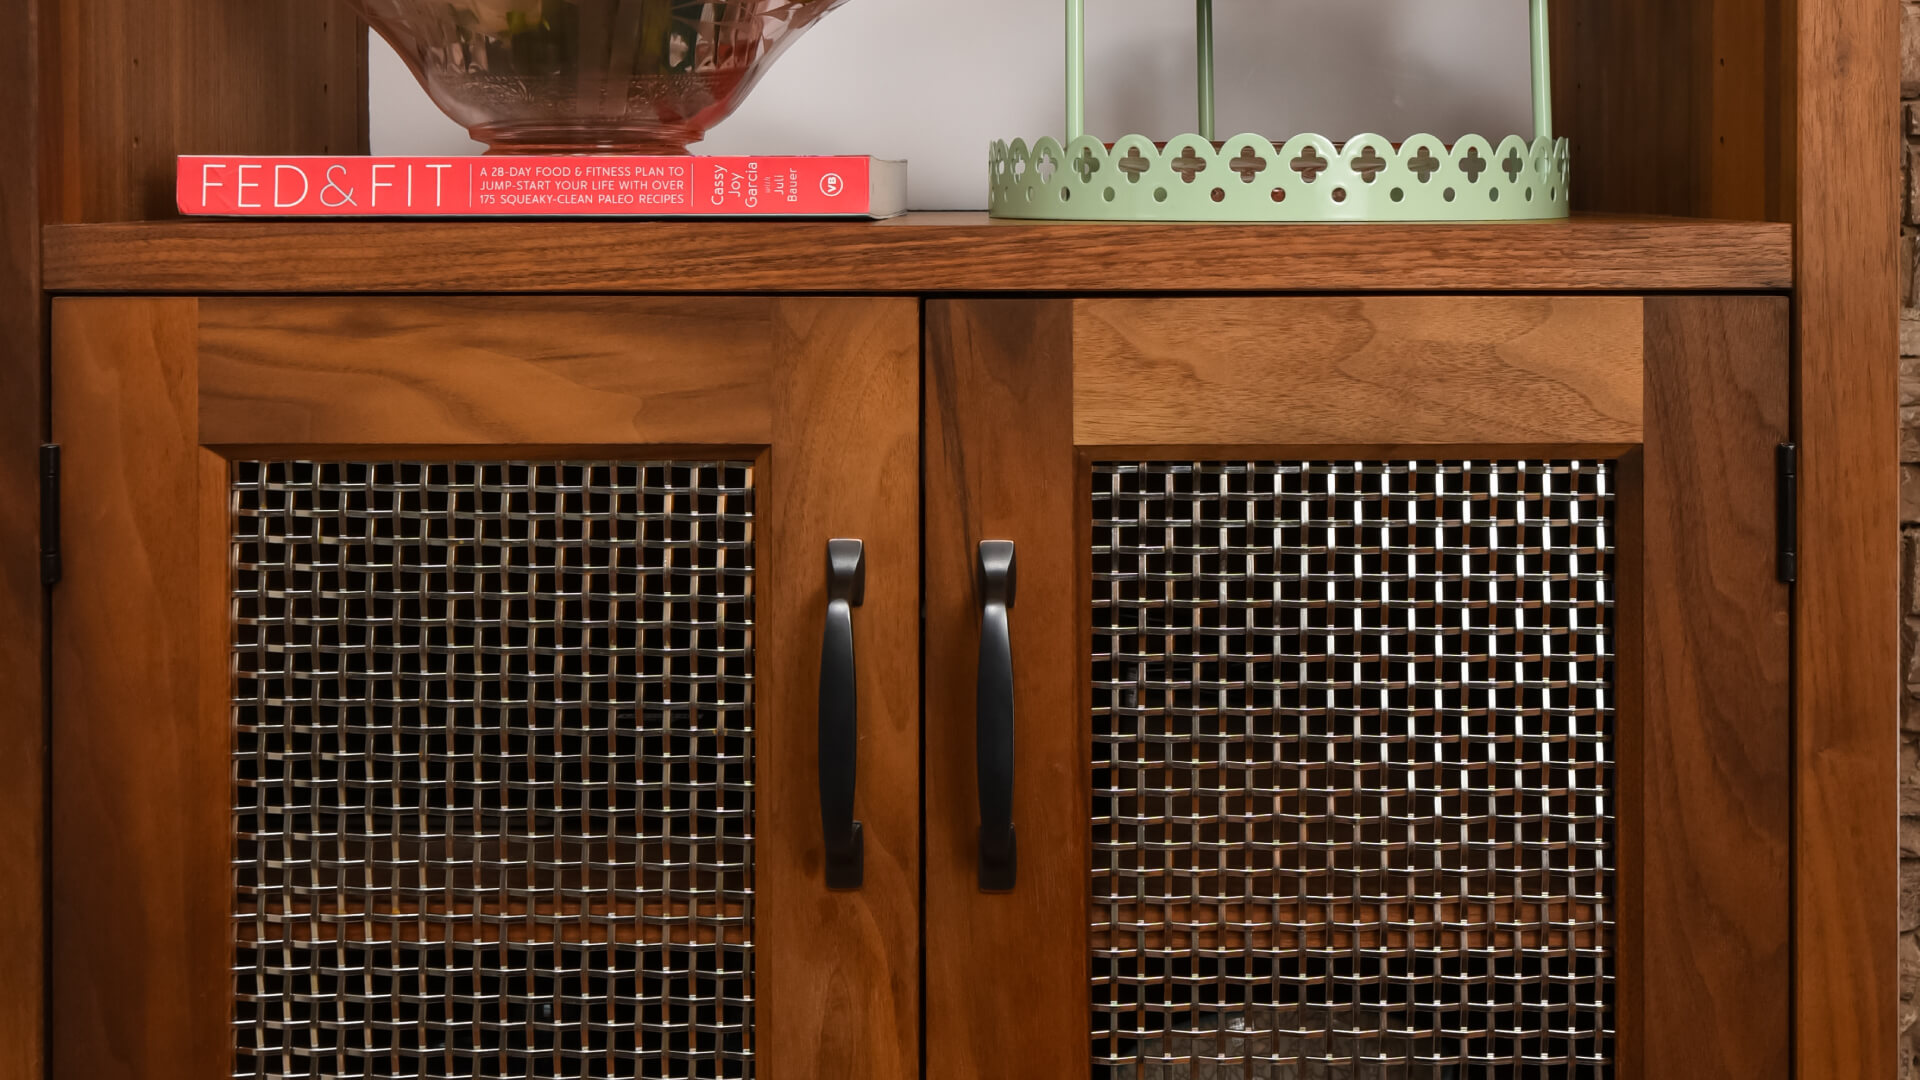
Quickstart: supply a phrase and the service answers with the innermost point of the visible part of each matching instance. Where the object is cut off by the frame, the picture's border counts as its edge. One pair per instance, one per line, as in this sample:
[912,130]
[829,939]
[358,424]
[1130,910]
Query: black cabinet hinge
[50,514]
[1788,462]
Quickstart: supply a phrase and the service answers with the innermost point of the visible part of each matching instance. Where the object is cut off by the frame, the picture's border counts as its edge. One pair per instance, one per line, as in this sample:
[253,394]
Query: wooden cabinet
[1396,680]
[438,683]
[1237,686]
[1731,171]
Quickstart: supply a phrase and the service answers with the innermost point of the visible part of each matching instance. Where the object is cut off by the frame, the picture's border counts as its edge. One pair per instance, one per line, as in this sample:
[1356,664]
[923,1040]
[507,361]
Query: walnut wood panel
[1846,632]
[140,983]
[141,757]
[916,253]
[473,371]
[1409,369]
[843,991]
[1629,774]
[23,403]
[209,797]
[1678,108]
[1006,972]
[137,82]
[1708,864]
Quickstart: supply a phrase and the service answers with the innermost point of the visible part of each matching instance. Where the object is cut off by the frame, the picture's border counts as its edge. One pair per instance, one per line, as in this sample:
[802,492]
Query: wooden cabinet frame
[1688,394]
[156,397]
[1787,113]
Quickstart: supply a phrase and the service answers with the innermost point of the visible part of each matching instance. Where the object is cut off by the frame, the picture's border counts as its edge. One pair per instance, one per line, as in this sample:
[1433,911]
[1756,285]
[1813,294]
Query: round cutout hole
[1160,194]
[1398,194]
[1493,195]
[1109,195]
[1279,195]
[1065,194]
[1339,194]
[1447,194]
[1219,195]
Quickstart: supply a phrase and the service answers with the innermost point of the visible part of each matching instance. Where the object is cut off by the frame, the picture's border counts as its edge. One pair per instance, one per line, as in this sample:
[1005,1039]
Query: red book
[570,186]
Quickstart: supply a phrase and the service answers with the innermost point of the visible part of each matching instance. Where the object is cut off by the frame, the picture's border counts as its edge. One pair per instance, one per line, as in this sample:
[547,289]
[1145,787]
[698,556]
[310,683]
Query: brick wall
[1910,548]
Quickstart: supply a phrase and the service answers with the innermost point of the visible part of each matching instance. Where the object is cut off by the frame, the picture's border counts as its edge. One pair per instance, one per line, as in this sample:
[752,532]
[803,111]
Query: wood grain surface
[1357,370]
[916,253]
[137,82]
[487,372]
[1629,760]
[1846,631]
[140,877]
[1006,972]
[841,978]
[1713,742]
[23,611]
[1678,108]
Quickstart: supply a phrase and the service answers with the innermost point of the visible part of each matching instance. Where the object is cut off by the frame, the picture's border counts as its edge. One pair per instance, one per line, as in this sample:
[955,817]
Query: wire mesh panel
[493,769]
[1352,770]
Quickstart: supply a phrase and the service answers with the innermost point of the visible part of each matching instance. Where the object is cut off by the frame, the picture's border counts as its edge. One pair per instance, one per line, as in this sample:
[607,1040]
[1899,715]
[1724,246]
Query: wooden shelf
[918,253]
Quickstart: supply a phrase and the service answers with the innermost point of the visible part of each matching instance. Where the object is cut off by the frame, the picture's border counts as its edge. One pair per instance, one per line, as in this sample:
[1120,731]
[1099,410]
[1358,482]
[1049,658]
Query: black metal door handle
[993,718]
[840,715]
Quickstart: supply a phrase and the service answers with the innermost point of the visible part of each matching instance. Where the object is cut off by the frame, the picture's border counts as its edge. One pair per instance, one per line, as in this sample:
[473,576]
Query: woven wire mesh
[1352,755]
[493,769]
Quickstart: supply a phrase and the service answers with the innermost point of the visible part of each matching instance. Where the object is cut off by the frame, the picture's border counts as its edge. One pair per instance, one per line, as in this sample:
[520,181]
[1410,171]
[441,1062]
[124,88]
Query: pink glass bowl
[575,76]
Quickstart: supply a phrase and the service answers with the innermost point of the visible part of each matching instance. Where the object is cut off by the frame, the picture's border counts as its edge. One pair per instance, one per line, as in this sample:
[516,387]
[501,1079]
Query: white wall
[935,82]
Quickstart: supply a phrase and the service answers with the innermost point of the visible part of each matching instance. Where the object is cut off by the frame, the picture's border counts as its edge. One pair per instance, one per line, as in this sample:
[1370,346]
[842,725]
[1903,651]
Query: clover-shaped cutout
[1309,164]
[1046,165]
[1423,164]
[1473,164]
[1248,164]
[1134,165]
[1369,164]
[1189,164]
[1086,164]
[1513,164]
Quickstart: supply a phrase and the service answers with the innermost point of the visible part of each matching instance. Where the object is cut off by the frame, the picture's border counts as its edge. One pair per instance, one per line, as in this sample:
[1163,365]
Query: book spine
[523,186]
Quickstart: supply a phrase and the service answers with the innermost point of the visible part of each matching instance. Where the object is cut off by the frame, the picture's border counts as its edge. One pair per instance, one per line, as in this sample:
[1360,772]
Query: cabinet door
[1388,687]
[458,687]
